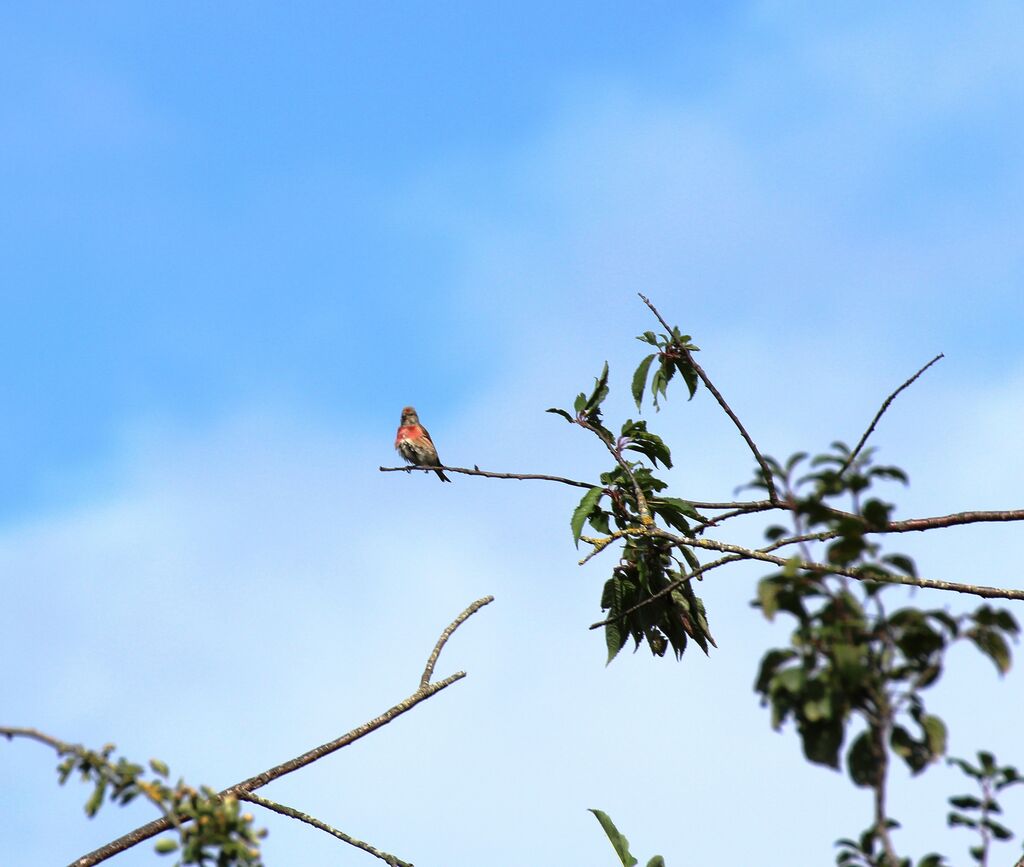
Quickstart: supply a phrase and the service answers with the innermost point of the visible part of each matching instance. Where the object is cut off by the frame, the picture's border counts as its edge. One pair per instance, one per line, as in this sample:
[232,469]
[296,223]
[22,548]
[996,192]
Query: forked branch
[425,690]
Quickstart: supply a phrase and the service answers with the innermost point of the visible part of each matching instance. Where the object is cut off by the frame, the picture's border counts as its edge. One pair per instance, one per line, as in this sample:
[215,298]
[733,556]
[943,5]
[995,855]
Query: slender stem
[879,736]
[981,590]
[641,501]
[11,732]
[765,469]
[428,670]
[292,813]
[476,471]
[881,412]
[986,834]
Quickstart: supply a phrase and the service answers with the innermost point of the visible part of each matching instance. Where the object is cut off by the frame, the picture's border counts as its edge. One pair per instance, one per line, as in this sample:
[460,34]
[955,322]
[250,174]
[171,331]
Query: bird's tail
[442,476]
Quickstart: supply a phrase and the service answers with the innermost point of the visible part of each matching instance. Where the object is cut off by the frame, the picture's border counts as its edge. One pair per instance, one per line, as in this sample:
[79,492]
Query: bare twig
[762,463]
[881,412]
[981,590]
[291,812]
[739,506]
[34,734]
[422,693]
[428,671]
[956,519]
[476,471]
[858,574]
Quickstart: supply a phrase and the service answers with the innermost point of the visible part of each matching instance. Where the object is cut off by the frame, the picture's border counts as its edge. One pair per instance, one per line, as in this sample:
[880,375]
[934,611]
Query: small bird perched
[415,445]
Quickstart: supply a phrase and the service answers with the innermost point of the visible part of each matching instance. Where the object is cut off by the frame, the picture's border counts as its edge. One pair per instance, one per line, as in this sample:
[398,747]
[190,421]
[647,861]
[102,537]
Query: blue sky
[237,240]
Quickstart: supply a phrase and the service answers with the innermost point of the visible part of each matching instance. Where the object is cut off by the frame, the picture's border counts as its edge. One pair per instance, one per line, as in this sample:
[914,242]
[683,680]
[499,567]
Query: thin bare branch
[982,590]
[956,519]
[291,812]
[428,671]
[738,505]
[476,471]
[881,412]
[158,826]
[762,463]
[34,734]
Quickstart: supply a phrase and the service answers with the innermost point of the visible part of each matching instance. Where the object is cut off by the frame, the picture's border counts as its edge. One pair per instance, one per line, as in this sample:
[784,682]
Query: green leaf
[935,733]
[967,768]
[769,665]
[861,761]
[657,385]
[656,861]
[821,742]
[689,375]
[684,506]
[876,513]
[562,413]
[95,801]
[965,802]
[903,563]
[649,337]
[993,645]
[768,590]
[619,843]
[586,506]
[647,443]
[166,846]
[1001,832]
[600,391]
[159,767]
[640,379]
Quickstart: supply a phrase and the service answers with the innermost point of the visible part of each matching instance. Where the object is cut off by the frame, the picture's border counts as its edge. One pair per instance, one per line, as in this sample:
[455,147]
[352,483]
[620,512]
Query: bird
[415,445]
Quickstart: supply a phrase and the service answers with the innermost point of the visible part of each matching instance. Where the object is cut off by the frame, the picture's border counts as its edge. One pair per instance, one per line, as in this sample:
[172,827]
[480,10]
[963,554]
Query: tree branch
[291,812]
[981,590]
[762,463]
[422,693]
[476,471]
[953,520]
[34,734]
[642,508]
[428,671]
[881,412]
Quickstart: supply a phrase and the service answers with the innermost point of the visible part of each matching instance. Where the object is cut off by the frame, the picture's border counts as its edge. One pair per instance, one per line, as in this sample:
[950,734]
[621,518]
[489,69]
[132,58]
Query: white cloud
[257,587]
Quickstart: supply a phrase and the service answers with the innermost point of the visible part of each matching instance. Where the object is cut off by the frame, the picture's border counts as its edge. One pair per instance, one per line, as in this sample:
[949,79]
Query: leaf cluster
[673,356]
[867,851]
[975,811]
[218,834]
[848,657]
[647,597]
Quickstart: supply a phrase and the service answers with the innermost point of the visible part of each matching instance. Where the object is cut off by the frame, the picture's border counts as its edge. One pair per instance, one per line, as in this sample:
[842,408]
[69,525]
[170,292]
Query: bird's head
[409,416]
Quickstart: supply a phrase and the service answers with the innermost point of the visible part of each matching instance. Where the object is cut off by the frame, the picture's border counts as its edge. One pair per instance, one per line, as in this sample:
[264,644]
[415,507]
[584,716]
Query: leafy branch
[206,818]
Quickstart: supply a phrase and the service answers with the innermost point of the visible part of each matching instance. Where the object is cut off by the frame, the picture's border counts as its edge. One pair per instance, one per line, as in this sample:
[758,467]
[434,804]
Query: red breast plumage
[414,444]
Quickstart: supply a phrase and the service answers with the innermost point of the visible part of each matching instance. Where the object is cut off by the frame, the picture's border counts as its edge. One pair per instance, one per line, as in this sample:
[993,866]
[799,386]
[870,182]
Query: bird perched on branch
[415,445]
